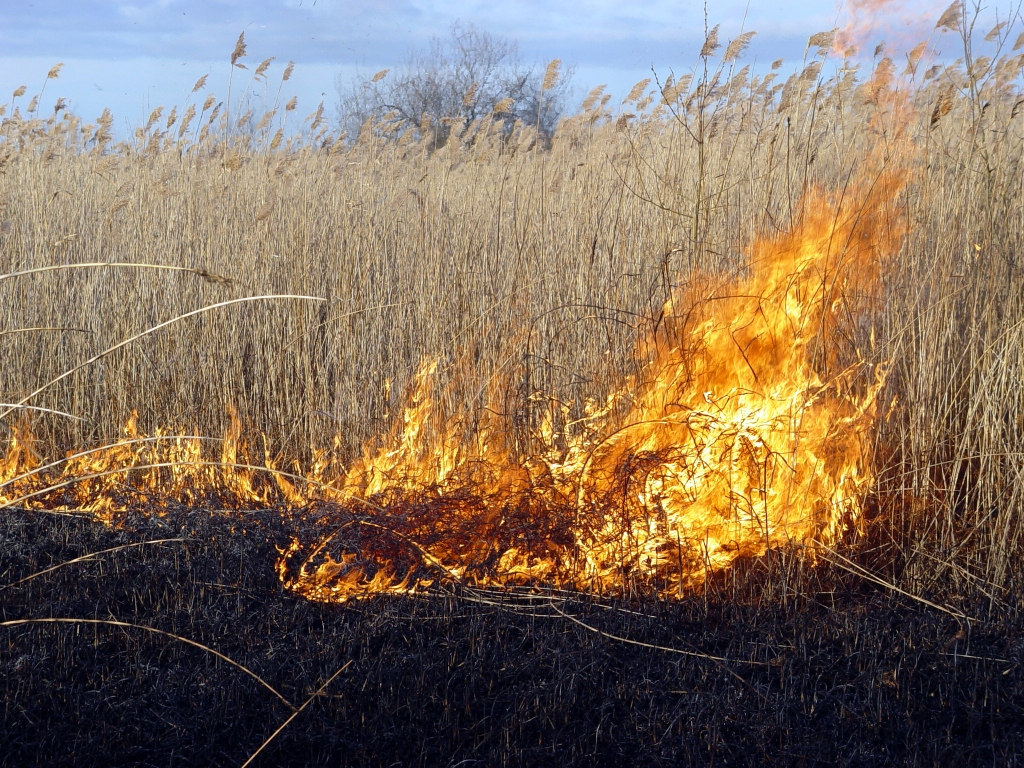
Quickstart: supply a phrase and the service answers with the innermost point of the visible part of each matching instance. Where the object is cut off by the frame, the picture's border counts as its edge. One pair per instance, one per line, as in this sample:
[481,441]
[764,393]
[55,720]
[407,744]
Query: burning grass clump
[744,431]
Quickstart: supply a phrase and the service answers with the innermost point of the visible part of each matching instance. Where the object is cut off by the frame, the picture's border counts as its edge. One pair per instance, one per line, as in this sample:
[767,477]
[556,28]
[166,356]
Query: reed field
[276,279]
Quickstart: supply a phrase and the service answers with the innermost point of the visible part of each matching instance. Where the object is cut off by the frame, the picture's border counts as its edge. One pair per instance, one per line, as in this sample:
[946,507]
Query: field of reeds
[300,280]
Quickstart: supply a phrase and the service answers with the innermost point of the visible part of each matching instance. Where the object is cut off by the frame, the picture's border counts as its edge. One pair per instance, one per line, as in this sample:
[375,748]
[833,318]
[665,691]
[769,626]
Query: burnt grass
[837,672]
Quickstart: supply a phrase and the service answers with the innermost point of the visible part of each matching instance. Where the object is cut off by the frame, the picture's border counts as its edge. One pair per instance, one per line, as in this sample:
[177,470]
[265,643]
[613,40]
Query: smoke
[869,28]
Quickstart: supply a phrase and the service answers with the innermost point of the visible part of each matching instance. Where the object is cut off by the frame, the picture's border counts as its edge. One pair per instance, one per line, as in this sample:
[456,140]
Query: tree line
[468,75]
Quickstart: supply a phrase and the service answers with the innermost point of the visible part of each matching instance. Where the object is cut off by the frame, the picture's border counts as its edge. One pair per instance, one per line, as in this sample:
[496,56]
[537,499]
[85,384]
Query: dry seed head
[209,102]
[914,57]
[186,119]
[1020,41]
[674,89]
[736,48]
[1006,70]
[980,68]
[822,39]
[710,43]
[942,106]
[262,68]
[811,71]
[154,117]
[993,34]
[317,117]
[777,63]
[199,83]
[288,71]
[741,79]
[210,277]
[265,120]
[637,90]
[54,72]
[551,75]
[503,107]
[239,51]
[19,91]
[276,141]
[951,17]
[379,76]
[32,105]
[107,165]
[787,95]
[264,211]
[292,104]
[470,98]
[592,98]
[102,135]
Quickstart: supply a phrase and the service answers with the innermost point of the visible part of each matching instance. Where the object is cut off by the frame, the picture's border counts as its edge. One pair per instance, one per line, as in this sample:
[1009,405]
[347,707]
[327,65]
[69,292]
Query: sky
[135,56]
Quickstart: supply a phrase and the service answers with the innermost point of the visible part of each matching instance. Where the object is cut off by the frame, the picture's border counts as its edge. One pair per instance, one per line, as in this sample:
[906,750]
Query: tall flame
[749,428]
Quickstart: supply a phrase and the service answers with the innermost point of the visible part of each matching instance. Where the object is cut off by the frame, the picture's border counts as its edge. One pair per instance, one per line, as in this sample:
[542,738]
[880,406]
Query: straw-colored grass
[526,269]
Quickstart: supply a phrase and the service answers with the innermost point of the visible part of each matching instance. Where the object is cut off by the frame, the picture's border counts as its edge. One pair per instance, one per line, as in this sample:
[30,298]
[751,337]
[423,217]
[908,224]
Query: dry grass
[526,269]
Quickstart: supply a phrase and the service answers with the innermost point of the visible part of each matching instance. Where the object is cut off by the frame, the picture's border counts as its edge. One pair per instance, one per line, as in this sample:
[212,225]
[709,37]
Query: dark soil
[832,671]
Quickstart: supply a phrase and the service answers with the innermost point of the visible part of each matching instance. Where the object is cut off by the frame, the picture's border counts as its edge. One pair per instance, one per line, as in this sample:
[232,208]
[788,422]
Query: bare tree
[468,75]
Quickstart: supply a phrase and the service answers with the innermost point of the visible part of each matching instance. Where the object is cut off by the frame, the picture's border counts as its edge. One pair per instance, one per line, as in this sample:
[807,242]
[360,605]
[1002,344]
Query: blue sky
[133,56]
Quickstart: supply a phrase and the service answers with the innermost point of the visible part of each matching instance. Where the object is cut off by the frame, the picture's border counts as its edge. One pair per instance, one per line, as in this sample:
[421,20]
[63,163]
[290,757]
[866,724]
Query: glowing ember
[750,428]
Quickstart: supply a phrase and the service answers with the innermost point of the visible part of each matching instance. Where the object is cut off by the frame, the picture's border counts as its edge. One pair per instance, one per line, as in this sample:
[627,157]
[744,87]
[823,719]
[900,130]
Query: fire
[142,471]
[749,428]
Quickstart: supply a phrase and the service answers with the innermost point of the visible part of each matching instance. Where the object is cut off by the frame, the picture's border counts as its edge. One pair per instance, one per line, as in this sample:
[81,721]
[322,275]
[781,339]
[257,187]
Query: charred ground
[823,667]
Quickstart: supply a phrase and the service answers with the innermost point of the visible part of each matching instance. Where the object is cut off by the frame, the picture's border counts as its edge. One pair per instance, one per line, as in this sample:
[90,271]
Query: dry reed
[527,268]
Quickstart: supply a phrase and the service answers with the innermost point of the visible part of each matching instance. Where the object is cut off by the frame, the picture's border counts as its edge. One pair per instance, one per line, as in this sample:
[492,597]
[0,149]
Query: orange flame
[150,472]
[750,428]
